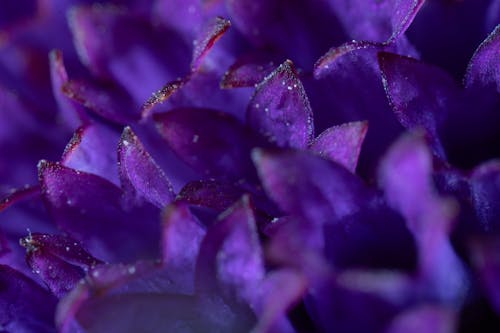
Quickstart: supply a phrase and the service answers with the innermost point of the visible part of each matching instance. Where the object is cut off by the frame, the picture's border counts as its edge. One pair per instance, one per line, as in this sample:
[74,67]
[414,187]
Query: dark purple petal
[356,302]
[342,143]
[280,110]
[114,43]
[230,260]
[426,318]
[210,193]
[92,149]
[486,260]
[91,210]
[24,305]
[210,35]
[72,112]
[112,299]
[140,176]
[307,185]
[59,261]
[485,193]
[247,71]
[181,240]
[420,95]
[111,103]
[212,142]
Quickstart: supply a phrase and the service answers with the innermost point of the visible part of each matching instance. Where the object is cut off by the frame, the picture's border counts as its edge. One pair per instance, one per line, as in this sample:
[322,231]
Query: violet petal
[280,109]
[24,305]
[140,176]
[91,210]
[91,149]
[210,193]
[212,142]
[342,143]
[430,318]
[420,95]
[307,185]
[230,260]
[485,193]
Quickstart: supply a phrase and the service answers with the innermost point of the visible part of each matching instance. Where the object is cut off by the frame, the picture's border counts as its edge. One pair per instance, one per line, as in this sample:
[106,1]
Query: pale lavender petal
[280,110]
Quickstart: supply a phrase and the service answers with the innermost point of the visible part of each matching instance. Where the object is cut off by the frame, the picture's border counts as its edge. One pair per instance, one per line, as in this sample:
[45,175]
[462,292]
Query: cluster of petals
[262,166]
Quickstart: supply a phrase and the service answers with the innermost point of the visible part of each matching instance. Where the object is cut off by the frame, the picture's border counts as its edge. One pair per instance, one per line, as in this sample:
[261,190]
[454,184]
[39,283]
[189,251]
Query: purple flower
[250,166]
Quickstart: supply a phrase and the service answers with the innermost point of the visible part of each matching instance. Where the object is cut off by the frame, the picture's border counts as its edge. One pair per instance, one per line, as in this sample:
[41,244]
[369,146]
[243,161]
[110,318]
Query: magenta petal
[305,184]
[230,260]
[140,176]
[181,240]
[342,144]
[24,305]
[280,109]
[92,149]
[420,95]
[212,142]
[59,261]
[91,210]
[485,188]
[72,112]
[210,193]
[210,35]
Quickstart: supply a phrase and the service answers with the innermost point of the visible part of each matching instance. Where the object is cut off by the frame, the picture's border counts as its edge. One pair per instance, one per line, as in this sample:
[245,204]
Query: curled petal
[280,109]
[211,34]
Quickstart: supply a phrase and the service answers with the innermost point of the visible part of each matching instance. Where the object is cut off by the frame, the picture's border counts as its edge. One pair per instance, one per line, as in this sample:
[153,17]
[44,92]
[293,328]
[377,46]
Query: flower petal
[111,103]
[247,71]
[72,112]
[91,210]
[92,149]
[210,193]
[307,185]
[212,142]
[342,144]
[431,319]
[140,176]
[59,261]
[115,43]
[24,305]
[485,188]
[280,109]
[202,45]
[181,241]
[420,95]
[230,260]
